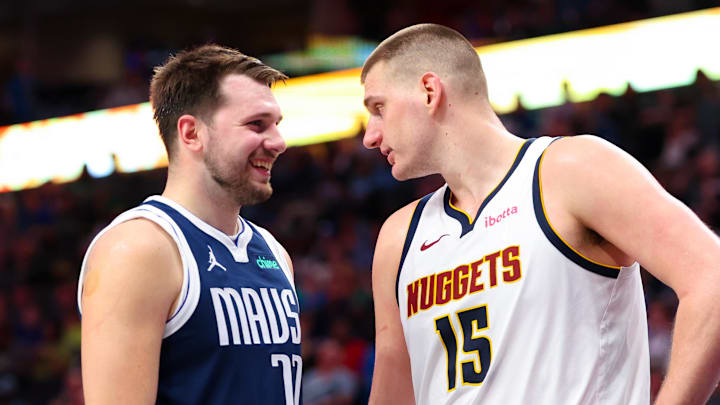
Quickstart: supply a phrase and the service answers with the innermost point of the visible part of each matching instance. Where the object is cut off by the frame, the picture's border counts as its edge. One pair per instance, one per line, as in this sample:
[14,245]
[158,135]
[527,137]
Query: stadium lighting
[540,72]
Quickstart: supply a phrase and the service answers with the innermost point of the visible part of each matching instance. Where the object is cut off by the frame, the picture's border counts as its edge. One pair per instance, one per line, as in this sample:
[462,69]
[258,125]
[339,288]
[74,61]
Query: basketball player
[517,282]
[182,300]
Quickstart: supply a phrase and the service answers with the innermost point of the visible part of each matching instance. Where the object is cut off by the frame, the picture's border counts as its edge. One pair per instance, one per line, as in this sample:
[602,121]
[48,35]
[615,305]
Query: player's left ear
[433,91]
[188,127]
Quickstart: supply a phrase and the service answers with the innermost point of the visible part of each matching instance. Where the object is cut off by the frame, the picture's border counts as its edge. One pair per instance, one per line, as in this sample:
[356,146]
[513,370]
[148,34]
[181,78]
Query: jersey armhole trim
[412,227]
[190,290]
[565,248]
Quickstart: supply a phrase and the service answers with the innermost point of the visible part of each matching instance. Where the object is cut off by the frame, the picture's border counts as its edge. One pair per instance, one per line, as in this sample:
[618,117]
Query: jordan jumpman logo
[213,261]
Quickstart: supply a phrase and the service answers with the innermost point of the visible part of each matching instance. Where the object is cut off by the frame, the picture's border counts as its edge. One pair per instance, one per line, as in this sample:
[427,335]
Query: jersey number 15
[472,321]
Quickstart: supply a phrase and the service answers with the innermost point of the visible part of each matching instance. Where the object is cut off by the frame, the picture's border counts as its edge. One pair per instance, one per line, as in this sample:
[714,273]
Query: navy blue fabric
[196,366]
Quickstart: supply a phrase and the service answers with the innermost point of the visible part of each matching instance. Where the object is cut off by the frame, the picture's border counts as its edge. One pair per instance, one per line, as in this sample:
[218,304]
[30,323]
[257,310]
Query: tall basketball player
[183,301]
[517,282]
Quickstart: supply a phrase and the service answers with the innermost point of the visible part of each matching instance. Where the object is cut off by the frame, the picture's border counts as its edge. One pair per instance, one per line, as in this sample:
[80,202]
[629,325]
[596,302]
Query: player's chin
[264,191]
[401,174]
[256,194]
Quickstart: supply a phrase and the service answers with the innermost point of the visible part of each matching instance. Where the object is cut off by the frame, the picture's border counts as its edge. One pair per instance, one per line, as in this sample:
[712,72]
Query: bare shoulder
[135,240]
[579,155]
[397,223]
[394,230]
[137,253]
[580,169]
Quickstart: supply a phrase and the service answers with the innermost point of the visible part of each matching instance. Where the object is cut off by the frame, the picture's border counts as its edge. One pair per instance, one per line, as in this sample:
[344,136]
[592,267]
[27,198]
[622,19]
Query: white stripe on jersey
[190,292]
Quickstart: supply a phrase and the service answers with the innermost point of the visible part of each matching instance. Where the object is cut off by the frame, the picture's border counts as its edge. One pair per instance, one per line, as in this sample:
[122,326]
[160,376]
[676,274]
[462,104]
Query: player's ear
[188,127]
[433,91]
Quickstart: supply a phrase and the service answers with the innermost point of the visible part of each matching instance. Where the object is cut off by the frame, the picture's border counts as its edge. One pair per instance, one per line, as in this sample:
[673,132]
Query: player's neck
[478,160]
[204,200]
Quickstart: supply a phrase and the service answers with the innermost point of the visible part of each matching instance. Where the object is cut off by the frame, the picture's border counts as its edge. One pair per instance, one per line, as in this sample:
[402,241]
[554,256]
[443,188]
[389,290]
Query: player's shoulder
[579,150]
[583,167]
[136,259]
[394,229]
[134,240]
[388,252]
[403,214]
[582,159]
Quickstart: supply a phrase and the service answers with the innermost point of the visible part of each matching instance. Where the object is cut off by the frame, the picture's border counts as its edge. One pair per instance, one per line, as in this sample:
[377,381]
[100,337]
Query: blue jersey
[235,335]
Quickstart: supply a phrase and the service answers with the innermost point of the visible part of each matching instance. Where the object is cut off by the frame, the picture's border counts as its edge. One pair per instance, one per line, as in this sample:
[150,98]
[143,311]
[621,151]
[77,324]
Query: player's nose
[275,141]
[373,135]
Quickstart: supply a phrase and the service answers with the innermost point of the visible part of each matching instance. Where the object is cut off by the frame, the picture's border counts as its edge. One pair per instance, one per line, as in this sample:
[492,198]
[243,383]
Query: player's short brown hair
[422,48]
[189,82]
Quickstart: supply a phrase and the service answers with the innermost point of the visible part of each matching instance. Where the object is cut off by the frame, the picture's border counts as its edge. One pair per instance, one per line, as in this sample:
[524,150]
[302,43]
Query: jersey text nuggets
[450,285]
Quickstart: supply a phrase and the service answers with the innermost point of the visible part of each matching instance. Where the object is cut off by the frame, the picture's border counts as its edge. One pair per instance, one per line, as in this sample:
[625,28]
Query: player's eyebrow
[368,100]
[264,115]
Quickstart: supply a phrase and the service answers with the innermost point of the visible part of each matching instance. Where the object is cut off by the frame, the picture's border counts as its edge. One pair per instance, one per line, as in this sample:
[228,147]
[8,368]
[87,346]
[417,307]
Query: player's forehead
[247,96]
[376,85]
[376,76]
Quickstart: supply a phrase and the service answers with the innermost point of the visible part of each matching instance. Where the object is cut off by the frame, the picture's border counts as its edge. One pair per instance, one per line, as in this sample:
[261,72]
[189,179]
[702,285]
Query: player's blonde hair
[415,50]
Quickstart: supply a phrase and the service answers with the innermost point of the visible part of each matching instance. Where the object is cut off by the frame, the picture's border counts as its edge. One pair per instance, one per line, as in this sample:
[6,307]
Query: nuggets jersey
[500,310]
[235,335]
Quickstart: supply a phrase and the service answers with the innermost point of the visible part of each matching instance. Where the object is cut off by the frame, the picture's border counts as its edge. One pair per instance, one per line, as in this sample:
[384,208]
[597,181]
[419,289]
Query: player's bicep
[132,280]
[392,381]
[613,194]
[386,262]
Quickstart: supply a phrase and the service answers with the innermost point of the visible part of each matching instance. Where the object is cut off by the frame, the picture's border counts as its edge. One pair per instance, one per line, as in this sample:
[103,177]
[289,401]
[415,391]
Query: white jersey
[500,310]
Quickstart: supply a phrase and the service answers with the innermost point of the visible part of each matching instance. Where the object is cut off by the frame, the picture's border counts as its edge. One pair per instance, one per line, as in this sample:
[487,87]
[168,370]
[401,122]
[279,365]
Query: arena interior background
[65,58]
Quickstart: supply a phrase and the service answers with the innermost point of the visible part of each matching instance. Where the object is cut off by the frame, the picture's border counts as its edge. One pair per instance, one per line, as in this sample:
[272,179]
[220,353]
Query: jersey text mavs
[235,335]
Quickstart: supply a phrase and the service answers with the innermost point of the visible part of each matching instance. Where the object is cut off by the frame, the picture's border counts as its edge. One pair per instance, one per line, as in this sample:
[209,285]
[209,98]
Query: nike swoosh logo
[426,246]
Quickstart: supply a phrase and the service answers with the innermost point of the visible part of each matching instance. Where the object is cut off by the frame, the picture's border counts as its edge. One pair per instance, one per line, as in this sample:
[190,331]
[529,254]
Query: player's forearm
[390,385]
[695,356]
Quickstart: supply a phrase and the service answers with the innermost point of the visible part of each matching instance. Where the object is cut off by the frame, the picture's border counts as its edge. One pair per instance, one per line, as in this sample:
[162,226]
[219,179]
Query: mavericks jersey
[235,335]
[500,310]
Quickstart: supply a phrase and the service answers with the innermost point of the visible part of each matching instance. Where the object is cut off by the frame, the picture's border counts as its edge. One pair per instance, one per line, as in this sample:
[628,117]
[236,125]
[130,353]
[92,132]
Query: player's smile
[262,166]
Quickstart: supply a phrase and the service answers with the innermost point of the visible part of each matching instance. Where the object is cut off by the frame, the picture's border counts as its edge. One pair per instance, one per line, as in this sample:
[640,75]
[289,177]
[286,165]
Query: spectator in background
[19,91]
[330,382]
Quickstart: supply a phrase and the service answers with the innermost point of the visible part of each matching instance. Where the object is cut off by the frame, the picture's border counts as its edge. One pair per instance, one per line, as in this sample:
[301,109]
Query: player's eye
[256,124]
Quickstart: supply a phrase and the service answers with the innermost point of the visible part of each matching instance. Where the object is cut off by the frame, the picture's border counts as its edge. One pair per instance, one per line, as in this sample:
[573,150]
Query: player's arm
[392,381]
[133,277]
[611,193]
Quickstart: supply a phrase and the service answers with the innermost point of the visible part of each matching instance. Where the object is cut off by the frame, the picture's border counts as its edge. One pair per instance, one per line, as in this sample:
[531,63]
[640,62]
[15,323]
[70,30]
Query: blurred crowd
[35,78]
[329,203]
[330,199]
